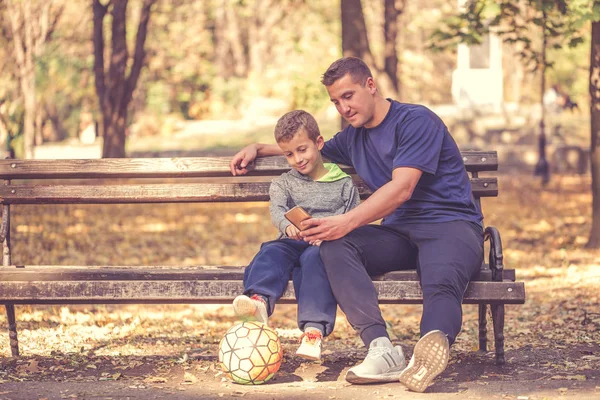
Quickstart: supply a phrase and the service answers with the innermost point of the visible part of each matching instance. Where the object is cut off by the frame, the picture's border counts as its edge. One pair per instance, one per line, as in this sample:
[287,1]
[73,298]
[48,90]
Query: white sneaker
[429,359]
[251,308]
[383,363]
[310,345]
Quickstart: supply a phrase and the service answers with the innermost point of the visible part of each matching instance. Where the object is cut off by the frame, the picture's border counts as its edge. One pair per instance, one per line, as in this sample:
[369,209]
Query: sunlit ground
[544,231]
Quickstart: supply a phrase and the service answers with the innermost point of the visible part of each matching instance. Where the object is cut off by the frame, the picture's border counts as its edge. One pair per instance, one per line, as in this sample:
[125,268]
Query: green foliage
[561,24]
[308,94]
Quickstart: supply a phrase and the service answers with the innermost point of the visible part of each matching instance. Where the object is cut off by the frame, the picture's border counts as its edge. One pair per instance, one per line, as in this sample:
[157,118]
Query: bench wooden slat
[104,292]
[176,167]
[125,273]
[169,193]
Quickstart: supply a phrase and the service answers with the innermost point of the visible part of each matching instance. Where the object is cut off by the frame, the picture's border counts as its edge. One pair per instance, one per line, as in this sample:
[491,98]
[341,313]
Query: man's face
[354,102]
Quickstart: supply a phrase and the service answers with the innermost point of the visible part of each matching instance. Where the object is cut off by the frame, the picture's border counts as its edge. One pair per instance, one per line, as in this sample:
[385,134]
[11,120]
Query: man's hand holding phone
[296,215]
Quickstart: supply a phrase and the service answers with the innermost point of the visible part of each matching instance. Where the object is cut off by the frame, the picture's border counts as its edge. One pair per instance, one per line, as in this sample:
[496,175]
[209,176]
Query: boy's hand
[292,232]
[240,161]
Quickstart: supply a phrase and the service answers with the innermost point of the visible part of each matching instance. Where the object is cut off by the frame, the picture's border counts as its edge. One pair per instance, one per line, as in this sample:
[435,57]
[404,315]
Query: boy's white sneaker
[383,363]
[251,308]
[429,359]
[310,344]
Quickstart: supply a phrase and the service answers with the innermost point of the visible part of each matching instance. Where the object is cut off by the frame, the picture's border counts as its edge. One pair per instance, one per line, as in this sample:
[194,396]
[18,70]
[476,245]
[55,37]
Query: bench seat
[200,284]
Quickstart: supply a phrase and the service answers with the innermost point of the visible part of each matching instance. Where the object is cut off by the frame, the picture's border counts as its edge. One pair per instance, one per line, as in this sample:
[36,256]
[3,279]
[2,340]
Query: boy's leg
[269,272]
[316,305]
[350,262]
[450,254]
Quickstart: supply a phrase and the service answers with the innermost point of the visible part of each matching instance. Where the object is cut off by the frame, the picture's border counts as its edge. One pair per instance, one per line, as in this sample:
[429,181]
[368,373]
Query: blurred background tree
[28,25]
[245,60]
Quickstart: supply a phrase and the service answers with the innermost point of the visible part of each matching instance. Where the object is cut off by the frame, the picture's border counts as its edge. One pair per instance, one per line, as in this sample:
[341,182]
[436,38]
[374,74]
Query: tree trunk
[28,90]
[594,240]
[542,169]
[355,41]
[390,31]
[229,49]
[113,88]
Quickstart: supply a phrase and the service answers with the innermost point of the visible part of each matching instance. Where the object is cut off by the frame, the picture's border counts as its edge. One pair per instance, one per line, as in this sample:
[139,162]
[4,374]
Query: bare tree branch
[139,52]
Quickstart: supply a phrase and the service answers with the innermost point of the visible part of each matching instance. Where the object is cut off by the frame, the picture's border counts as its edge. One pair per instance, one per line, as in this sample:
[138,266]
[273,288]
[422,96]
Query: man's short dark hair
[358,70]
[290,123]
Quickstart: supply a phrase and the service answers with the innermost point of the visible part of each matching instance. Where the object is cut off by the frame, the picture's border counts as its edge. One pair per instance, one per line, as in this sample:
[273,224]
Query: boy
[322,189]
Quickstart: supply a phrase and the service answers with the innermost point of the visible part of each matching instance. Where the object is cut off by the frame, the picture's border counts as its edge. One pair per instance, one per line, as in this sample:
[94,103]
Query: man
[406,155]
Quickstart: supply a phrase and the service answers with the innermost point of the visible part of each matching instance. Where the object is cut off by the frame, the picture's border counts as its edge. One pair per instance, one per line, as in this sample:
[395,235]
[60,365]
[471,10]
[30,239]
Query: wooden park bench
[179,180]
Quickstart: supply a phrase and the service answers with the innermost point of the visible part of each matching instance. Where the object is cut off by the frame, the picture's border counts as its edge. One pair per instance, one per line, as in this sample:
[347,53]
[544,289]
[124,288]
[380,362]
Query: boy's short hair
[358,70]
[290,123]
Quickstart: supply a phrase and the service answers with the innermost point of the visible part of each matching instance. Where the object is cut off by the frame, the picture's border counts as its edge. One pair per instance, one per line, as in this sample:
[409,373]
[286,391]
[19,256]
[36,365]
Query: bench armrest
[496,257]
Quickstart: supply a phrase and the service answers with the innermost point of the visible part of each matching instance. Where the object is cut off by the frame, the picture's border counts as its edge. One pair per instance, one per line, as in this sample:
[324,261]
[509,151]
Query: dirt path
[472,376]
[154,352]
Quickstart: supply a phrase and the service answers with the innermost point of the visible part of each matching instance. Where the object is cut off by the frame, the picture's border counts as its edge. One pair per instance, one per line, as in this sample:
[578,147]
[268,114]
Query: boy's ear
[320,142]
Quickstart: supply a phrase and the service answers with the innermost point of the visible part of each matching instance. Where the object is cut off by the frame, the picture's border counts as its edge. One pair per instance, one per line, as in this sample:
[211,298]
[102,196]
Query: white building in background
[477,81]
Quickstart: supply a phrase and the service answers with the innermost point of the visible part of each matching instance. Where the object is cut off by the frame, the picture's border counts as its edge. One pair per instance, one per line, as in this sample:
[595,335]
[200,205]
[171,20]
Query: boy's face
[354,102]
[303,154]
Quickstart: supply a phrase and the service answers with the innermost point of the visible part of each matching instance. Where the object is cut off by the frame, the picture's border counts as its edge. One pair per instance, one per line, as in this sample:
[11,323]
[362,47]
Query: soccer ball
[250,353]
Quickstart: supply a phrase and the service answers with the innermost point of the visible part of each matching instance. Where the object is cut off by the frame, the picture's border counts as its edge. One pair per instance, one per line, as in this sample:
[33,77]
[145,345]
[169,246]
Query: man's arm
[240,161]
[380,204]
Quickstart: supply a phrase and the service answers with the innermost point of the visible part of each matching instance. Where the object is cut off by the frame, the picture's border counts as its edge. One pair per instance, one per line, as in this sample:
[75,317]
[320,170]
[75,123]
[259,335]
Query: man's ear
[370,83]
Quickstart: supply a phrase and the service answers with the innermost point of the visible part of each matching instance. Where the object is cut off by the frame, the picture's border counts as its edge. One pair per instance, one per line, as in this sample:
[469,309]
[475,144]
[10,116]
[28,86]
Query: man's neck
[382,106]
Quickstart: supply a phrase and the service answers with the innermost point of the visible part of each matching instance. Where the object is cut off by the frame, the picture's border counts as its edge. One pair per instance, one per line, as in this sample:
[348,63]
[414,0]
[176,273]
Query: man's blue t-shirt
[410,136]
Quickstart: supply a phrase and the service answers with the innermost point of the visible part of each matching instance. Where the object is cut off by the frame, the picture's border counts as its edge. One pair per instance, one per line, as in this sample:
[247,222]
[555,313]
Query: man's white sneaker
[251,308]
[310,345]
[429,359]
[383,363]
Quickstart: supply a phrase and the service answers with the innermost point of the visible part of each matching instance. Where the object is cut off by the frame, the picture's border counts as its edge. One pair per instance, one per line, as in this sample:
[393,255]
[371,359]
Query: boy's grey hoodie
[333,194]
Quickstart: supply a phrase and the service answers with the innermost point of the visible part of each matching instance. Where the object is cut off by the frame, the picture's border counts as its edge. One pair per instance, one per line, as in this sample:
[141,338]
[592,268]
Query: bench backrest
[170,180]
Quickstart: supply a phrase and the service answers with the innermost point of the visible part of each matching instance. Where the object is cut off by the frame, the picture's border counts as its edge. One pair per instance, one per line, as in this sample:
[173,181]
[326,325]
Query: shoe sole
[308,357]
[244,307]
[429,359]
[366,379]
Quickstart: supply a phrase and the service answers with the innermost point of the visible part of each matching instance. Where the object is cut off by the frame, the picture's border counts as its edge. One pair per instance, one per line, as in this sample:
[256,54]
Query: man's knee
[332,251]
[445,282]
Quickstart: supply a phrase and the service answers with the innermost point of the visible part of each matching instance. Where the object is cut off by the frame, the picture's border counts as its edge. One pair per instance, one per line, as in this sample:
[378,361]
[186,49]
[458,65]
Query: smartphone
[297,215]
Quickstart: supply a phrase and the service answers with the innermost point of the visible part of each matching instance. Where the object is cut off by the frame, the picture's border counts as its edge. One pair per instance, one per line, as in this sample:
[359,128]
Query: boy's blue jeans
[269,272]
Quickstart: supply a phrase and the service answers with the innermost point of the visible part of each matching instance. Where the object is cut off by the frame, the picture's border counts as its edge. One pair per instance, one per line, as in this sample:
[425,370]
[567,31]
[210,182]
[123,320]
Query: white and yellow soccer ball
[250,353]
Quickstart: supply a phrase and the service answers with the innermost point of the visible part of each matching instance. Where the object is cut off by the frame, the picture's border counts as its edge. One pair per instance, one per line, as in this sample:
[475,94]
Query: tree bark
[113,87]
[594,88]
[390,31]
[542,168]
[355,43]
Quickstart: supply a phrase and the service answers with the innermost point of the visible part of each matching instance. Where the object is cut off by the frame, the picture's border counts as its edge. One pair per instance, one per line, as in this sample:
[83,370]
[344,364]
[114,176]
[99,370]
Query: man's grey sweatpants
[446,255]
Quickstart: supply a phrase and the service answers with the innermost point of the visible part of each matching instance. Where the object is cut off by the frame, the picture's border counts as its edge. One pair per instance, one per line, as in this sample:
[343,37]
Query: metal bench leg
[498,321]
[12,329]
[483,328]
